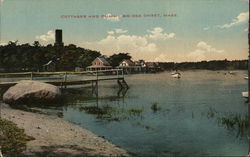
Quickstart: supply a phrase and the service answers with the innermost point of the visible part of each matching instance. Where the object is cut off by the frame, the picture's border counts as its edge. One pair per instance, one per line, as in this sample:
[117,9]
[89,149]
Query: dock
[66,78]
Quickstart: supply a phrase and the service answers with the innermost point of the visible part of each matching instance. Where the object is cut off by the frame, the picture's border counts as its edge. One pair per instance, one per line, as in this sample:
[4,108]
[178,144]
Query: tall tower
[58,37]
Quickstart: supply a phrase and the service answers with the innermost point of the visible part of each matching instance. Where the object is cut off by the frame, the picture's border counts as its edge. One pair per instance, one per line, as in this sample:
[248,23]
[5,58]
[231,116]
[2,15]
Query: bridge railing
[61,75]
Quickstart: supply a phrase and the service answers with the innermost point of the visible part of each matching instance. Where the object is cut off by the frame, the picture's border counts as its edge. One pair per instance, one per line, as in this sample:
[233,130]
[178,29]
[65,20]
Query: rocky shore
[57,137]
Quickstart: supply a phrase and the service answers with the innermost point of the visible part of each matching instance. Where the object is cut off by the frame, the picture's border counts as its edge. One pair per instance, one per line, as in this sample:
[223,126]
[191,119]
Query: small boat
[173,73]
[245,94]
[176,74]
[231,72]
[246,78]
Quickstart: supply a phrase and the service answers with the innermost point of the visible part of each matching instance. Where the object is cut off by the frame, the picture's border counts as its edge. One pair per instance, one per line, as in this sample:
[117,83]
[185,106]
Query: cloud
[206,28]
[126,42]
[133,44]
[112,18]
[246,30]
[161,58]
[120,31]
[117,31]
[50,35]
[197,55]
[139,46]
[241,18]
[157,33]
[111,32]
[204,46]
[2,44]
[1,1]
[204,51]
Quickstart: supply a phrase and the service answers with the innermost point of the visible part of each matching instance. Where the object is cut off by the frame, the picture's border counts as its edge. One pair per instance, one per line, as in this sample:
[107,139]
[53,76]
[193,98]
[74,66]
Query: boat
[245,94]
[176,74]
[246,78]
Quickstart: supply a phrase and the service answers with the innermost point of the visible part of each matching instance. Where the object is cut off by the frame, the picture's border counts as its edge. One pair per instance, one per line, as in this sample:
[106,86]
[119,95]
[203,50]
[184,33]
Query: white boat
[245,94]
[174,72]
[176,75]
[246,77]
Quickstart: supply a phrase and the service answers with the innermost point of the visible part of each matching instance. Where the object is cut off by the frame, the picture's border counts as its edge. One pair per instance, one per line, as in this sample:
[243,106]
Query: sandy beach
[57,137]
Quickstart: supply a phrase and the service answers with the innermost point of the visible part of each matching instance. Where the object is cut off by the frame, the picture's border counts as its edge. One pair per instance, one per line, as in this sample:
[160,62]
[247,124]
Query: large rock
[31,91]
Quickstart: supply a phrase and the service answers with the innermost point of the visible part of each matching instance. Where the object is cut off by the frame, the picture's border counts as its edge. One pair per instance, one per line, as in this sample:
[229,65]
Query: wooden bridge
[63,79]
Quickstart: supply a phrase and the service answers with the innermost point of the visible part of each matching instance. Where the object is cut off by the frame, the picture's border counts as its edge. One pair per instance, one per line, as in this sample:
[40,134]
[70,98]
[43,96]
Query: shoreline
[57,137]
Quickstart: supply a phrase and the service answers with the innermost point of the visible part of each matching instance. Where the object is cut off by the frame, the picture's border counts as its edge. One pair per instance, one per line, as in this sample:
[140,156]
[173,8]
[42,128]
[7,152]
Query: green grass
[12,139]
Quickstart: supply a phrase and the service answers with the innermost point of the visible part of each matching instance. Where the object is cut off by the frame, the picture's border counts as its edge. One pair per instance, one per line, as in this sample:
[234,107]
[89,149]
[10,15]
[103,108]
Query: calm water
[187,119]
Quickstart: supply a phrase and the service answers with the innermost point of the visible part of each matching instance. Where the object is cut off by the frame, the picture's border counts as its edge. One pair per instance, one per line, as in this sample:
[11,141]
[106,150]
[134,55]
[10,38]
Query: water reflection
[122,92]
[202,113]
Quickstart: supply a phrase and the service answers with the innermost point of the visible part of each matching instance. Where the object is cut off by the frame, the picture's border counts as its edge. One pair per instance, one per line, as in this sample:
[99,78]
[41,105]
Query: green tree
[115,59]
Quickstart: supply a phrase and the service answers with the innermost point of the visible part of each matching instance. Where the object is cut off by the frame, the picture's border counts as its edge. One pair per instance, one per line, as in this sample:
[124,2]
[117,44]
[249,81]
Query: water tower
[58,38]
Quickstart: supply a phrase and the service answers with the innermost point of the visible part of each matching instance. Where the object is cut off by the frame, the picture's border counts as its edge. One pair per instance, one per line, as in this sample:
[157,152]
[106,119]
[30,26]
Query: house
[129,66]
[127,63]
[142,64]
[100,63]
[152,67]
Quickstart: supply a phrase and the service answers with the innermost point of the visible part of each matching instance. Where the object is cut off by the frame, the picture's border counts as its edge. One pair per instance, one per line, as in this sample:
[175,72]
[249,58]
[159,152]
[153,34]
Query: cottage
[152,67]
[100,63]
[129,66]
[127,63]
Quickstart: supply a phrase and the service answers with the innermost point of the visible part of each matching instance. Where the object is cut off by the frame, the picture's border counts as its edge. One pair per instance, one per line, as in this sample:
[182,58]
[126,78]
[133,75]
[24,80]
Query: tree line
[16,57]
[207,65]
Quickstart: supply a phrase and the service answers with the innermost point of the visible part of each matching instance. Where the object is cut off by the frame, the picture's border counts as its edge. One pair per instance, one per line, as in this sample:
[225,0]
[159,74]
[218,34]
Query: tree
[86,57]
[36,44]
[116,59]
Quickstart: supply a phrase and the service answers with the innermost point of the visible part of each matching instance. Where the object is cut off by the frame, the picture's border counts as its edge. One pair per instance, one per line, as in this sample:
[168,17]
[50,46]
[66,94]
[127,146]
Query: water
[187,119]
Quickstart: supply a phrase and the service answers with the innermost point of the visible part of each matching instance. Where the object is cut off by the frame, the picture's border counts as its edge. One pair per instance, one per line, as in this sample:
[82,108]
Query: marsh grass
[135,111]
[12,139]
[232,121]
[211,113]
[155,107]
[112,113]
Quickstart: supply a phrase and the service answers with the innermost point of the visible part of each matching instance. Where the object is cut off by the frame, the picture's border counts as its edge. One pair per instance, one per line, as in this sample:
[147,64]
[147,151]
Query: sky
[197,30]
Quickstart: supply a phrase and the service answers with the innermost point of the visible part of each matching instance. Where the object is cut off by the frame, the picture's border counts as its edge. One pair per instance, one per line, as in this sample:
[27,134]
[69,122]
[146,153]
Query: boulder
[28,91]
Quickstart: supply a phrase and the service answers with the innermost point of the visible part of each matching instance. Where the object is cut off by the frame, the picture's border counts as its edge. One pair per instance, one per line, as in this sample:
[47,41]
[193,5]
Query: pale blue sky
[203,29]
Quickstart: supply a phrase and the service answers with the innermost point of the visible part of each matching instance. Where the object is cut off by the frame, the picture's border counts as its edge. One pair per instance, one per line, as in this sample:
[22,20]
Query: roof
[98,66]
[103,60]
[129,62]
